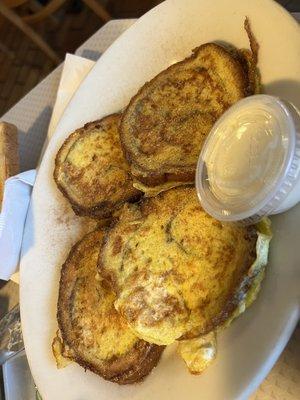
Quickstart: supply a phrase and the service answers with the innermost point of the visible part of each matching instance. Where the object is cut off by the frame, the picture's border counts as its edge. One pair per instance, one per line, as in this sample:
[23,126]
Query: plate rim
[293,322]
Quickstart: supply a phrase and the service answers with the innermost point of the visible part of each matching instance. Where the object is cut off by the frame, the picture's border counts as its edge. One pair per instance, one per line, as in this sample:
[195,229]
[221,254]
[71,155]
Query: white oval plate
[248,349]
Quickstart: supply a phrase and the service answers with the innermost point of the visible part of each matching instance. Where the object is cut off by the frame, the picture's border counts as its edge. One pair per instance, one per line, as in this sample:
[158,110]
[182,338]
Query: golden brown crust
[251,58]
[139,358]
[100,195]
[136,126]
[9,154]
[166,242]
[235,295]
[143,358]
[252,40]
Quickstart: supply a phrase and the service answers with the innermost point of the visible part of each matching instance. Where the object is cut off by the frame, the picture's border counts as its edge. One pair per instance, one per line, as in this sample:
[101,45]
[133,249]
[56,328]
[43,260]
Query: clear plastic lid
[251,160]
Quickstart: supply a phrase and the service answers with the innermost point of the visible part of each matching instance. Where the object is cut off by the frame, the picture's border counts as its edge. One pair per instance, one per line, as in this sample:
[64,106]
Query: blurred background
[61,26]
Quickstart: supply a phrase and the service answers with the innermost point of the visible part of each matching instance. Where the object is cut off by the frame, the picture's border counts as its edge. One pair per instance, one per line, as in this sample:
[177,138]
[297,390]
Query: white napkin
[75,70]
[18,189]
[12,219]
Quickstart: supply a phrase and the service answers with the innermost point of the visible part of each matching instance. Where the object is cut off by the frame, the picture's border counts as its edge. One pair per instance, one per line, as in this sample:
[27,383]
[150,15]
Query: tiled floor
[23,65]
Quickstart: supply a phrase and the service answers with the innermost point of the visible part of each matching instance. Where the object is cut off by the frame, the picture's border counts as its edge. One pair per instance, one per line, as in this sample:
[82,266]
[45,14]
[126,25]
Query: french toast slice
[165,124]
[199,352]
[95,335]
[91,171]
[176,271]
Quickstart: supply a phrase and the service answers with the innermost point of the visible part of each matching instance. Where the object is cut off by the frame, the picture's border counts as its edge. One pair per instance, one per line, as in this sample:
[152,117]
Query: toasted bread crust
[9,154]
[144,357]
[144,133]
[101,195]
[137,360]
[128,266]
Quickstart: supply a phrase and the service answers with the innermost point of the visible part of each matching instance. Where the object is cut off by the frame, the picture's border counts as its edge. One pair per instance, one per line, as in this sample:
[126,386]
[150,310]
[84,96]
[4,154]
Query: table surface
[32,115]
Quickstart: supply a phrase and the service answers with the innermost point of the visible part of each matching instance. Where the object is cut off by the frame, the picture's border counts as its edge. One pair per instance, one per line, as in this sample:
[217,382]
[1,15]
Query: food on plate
[164,270]
[93,334]
[198,353]
[62,353]
[91,171]
[165,124]
[177,272]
